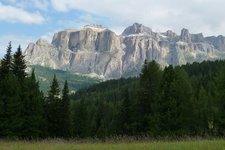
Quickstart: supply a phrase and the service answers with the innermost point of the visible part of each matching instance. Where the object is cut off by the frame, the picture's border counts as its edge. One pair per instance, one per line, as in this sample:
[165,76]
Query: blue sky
[24,21]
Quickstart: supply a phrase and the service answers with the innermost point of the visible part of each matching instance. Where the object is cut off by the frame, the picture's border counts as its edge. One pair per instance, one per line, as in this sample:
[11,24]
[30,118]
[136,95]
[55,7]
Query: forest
[179,101]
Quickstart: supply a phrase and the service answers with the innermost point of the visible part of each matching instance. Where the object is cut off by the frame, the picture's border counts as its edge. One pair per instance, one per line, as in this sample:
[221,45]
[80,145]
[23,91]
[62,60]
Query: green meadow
[138,145]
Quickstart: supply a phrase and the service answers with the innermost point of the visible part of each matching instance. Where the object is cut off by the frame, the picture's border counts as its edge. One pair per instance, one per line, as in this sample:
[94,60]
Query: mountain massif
[98,51]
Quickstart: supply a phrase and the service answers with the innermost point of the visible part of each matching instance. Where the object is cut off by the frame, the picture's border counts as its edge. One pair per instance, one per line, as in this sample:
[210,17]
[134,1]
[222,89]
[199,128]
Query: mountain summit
[97,51]
[137,28]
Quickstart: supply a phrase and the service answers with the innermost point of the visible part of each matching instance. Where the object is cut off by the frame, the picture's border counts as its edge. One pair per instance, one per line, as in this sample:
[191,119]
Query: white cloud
[198,15]
[14,14]
[37,4]
[40,4]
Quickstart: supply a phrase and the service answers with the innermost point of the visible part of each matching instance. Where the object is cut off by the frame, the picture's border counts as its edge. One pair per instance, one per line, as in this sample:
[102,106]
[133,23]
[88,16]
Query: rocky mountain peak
[42,42]
[136,29]
[95,27]
[172,35]
[95,50]
[185,35]
[197,38]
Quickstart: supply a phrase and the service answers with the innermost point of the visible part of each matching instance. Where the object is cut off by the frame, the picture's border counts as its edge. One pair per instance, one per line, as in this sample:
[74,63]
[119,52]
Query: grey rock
[218,42]
[97,51]
[197,38]
[185,36]
[137,28]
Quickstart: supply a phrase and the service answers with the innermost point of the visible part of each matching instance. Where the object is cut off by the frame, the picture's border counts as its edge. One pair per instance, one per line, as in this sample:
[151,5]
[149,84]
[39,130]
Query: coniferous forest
[177,101]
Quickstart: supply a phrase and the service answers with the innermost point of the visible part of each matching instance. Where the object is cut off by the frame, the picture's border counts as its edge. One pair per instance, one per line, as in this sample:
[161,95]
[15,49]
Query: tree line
[185,100]
[24,110]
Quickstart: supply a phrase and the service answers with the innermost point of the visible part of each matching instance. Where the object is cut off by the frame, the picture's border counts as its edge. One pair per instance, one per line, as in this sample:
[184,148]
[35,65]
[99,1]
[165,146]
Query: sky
[25,21]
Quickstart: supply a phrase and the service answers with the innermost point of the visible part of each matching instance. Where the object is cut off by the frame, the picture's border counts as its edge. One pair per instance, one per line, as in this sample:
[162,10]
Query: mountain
[97,51]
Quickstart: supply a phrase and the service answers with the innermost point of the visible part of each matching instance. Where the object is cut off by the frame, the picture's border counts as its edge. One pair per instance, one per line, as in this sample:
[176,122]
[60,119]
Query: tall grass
[218,144]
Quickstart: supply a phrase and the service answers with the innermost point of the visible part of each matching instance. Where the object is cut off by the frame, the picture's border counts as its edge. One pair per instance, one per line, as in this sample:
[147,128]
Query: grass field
[71,145]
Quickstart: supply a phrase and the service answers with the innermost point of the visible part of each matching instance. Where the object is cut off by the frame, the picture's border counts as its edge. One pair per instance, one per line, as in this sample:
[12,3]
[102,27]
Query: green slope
[45,75]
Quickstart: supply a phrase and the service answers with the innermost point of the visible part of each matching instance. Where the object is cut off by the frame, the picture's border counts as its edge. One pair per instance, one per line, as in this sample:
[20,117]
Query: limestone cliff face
[95,50]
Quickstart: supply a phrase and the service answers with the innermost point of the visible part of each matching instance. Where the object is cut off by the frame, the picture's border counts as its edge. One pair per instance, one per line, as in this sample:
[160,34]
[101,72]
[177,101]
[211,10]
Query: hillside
[45,76]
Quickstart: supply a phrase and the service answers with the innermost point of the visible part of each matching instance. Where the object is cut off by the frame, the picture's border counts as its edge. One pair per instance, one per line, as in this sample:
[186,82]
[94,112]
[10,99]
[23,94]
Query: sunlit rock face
[95,50]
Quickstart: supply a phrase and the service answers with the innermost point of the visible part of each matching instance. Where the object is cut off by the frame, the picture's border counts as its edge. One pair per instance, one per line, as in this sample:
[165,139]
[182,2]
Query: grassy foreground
[65,145]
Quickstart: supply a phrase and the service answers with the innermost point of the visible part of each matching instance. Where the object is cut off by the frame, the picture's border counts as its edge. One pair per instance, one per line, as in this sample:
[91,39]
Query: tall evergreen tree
[148,97]
[33,110]
[202,114]
[184,102]
[19,65]
[6,63]
[80,119]
[11,106]
[10,118]
[54,92]
[125,114]
[66,113]
[221,100]
[168,109]
[53,109]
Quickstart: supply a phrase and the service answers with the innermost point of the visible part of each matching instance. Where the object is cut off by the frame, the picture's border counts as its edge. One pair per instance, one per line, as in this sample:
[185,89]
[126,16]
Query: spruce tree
[168,105]
[125,114]
[66,113]
[220,80]
[11,121]
[53,109]
[6,63]
[33,110]
[54,92]
[10,100]
[19,65]
[182,92]
[148,97]
[80,119]
[202,111]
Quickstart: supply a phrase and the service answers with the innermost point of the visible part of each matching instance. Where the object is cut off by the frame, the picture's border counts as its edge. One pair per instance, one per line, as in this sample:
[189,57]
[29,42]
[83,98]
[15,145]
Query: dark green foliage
[11,121]
[21,102]
[148,98]
[80,119]
[53,110]
[221,100]
[124,116]
[180,101]
[19,65]
[168,107]
[6,63]
[33,110]
[66,112]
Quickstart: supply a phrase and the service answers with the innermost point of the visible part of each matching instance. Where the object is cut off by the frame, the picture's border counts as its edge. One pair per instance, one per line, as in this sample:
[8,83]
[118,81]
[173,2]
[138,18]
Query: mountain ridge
[97,50]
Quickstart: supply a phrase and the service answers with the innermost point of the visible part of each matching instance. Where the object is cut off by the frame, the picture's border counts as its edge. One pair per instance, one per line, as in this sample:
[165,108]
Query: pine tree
[125,118]
[182,92]
[80,119]
[53,109]
[11,121]
[19,65]
[168,109]
[54,92]
[10,100]
[148,97]
[66,123]
[33,110]
[202,111]
[221,101]
[6,63]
